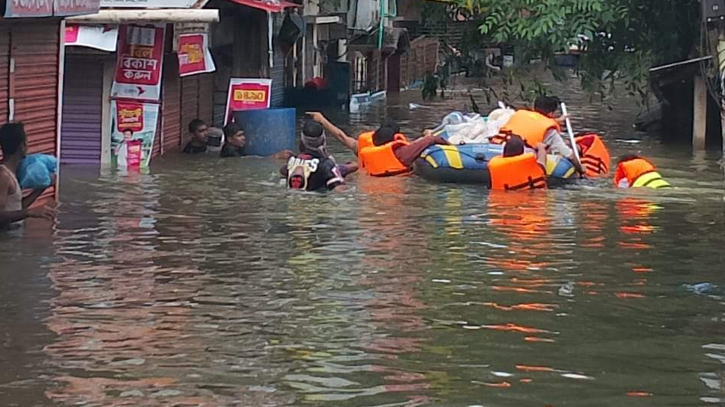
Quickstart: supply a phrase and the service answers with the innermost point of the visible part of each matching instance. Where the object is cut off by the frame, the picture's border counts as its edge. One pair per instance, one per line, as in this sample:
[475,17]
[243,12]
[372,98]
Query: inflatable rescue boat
[471,164]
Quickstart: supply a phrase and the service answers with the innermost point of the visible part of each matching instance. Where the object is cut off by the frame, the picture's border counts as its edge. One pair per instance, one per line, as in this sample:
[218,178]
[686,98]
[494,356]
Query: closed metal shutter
[171,109]
[206,98]
[82,110]
[277,75]
[156,149]
[4,72]
[189,102]
[35,85]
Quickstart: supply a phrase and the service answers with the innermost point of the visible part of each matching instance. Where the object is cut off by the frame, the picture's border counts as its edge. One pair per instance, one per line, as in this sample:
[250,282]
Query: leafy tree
[624,37]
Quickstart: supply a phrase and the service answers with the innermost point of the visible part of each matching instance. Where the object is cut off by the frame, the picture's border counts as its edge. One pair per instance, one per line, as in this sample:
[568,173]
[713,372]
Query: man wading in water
[13,207]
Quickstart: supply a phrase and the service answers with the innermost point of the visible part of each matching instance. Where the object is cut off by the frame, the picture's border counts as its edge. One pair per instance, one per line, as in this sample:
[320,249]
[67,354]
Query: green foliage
[626,37]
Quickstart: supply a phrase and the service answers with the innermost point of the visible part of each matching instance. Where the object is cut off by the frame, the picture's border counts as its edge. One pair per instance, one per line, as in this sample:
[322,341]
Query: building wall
[420,59]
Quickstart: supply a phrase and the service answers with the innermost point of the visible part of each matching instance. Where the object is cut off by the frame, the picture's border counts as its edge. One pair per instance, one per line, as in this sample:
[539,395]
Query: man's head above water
[13,140]
[313,140]
[514,146]
[547,105]
[386,133]
[199,131]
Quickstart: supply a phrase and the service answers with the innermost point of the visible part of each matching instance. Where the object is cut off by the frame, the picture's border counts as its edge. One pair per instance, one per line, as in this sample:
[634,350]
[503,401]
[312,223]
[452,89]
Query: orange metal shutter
[206,97]
[35,49]
[189,101]
[171,104]
[4,71]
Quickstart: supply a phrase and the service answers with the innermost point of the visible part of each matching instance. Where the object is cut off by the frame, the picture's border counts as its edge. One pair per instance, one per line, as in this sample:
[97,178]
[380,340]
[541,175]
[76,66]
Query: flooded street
[205,283]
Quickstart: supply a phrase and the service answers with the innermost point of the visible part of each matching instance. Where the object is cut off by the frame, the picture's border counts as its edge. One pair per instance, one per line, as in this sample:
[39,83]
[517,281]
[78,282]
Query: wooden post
[699,117]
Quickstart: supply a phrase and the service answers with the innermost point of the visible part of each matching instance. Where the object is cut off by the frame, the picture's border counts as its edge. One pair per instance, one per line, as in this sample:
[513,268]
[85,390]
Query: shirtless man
[13,207]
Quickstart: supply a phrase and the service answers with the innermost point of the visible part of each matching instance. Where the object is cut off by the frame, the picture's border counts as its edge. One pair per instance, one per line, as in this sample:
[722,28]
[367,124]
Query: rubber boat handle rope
[571,133]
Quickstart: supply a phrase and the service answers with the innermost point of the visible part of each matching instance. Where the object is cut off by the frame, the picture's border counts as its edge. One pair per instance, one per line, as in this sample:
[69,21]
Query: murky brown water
[205,283]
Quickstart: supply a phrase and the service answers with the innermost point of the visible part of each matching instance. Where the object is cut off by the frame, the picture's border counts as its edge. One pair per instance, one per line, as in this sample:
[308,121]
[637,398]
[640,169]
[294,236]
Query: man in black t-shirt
[312,169]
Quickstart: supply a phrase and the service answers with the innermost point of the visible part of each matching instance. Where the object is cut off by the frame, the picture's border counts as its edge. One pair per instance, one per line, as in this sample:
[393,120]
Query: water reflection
[204,283]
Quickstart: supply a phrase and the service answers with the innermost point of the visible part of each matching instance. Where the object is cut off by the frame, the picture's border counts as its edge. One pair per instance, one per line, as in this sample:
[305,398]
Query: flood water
[205,283]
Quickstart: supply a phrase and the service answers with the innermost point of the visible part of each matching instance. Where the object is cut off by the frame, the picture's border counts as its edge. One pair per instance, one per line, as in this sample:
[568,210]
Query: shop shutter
[171,112]
[80,133]
[189,102]
[277,75]
[206,97]
[4,71]
[156,149]
[35,49]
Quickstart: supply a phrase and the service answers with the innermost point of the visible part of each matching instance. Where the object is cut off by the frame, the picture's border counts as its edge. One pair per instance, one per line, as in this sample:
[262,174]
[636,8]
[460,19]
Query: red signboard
[248,94]
[47,8]
[129,116]
[191,54]
[140,57]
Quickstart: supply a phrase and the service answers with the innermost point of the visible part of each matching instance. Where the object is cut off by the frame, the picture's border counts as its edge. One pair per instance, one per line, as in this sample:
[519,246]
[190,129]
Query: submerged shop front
[31,54]
[135,77]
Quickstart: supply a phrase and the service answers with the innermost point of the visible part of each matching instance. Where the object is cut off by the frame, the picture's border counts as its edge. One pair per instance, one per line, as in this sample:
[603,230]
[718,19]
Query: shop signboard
[139,65]
[132,123]
[194,55]
[48,8]
[247,94]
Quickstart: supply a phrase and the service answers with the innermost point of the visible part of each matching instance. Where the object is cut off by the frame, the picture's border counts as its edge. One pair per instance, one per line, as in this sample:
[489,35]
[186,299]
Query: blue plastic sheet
[35,171]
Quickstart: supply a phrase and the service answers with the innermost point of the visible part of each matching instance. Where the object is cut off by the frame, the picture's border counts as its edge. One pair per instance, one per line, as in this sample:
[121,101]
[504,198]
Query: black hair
[514,146]
[384,135]
[195,124]
[546,104]
[312,128]
[127,130]
[231,129]
[628,157]
[12,138]
[391,124]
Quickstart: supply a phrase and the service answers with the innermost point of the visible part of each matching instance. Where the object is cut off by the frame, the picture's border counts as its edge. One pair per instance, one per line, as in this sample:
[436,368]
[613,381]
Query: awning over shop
[149,16]
[270,6]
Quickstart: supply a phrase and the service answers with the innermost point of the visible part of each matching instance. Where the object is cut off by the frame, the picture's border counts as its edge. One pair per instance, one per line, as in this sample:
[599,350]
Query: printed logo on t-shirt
[299,171]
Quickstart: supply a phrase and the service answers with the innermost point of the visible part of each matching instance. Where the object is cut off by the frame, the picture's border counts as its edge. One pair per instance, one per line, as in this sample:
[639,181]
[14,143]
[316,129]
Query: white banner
[92,36]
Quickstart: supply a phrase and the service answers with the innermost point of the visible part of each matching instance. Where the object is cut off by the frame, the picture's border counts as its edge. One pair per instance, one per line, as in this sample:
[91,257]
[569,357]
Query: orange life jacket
[531,126]
[634,170]
[515,173]
[364,140]
[381,160]
[595,156]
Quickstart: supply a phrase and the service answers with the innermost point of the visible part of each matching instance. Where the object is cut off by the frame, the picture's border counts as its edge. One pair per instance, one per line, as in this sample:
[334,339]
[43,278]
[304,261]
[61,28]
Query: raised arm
[334,131]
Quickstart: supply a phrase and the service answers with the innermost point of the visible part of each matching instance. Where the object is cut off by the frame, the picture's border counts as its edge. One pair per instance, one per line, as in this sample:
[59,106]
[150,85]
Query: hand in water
[43,212]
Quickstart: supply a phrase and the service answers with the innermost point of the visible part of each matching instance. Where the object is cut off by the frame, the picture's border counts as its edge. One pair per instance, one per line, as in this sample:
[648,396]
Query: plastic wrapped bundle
[35,171]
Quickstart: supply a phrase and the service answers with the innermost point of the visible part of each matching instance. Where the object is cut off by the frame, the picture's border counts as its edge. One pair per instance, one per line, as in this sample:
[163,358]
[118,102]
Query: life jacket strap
[595,164]
[531,183]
